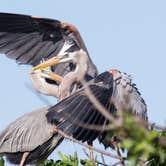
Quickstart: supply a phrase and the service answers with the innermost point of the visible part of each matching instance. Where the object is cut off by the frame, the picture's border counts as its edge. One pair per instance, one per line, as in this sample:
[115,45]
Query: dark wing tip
[10,22]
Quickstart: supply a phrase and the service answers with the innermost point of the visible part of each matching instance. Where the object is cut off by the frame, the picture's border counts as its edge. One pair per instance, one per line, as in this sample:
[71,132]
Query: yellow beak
[54,76]
[50,62]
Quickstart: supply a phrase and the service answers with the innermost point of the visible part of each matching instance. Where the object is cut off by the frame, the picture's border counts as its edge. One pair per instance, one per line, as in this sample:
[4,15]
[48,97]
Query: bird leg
[91,157]
[91,154]
[24,157]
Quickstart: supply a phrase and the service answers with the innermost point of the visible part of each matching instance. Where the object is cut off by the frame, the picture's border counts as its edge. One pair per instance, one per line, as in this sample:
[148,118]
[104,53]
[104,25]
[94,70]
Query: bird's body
[29,133]
[114,92]
[77,110]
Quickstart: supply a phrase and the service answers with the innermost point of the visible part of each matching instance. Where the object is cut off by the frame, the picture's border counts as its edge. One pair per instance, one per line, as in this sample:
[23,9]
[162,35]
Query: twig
[87,155]
[88,146]
[103,160]
[156,127]
[101,163]
[117,163]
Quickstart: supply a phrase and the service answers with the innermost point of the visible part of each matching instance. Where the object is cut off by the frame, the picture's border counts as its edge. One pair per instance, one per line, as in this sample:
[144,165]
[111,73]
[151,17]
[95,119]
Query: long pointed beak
[50,62]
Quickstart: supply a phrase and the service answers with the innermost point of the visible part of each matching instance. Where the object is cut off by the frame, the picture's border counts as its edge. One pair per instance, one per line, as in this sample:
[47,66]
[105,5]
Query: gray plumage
[29,133]
[126,96]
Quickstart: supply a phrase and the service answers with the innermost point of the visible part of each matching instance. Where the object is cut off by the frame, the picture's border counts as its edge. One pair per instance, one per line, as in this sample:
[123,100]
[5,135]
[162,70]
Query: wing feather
[26,133]
[76,110]
[127,96]
[19,33]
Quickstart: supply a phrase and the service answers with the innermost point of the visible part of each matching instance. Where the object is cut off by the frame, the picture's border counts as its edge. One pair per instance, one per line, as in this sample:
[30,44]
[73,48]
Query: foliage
[66,160]
[1,161]
[143,146]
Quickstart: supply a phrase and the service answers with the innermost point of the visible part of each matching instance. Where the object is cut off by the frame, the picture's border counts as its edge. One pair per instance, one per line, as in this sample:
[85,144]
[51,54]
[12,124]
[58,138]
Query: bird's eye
[72,66]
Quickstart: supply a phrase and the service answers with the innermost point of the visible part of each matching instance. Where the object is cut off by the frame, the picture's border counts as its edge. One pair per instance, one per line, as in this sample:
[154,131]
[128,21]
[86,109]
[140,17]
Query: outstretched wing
[126,95]
[29,40]
[75,113]
[26,133]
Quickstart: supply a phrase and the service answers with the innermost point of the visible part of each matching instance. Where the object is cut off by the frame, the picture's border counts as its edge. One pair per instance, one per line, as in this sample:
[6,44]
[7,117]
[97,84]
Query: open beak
[50,62]
[53,61]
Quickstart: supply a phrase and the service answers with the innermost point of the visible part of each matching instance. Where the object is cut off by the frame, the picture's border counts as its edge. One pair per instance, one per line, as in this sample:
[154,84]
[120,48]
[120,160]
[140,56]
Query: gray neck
[81,60]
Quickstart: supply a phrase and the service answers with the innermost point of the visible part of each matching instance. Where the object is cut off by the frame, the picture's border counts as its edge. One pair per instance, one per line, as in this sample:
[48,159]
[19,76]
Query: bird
[123,95]
[31,40]
[31,138]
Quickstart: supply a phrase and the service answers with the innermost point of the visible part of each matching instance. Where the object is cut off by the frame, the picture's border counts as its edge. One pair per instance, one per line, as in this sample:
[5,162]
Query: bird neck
[75,76]
[80,71]
[81,68]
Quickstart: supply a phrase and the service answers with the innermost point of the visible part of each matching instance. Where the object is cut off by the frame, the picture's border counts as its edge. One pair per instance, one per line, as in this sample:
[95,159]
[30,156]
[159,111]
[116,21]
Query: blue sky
[127,35]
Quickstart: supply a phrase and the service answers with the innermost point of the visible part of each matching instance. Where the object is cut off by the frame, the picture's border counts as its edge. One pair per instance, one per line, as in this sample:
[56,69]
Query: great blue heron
[119,91]
[31,138]
[30,40]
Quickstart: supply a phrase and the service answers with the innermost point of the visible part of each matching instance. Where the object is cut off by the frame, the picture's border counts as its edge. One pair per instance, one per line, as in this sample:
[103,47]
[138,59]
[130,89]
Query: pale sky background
[127,35]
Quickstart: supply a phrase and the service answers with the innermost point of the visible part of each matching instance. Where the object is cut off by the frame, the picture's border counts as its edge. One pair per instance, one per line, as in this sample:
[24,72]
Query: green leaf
[87,163]
[2,162]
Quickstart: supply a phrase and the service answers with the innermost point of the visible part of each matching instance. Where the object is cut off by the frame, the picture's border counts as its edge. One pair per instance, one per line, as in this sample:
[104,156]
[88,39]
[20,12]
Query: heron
[31,40]
[123,94]
[31,138]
